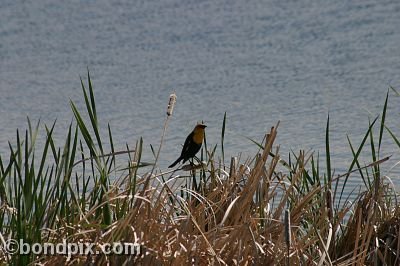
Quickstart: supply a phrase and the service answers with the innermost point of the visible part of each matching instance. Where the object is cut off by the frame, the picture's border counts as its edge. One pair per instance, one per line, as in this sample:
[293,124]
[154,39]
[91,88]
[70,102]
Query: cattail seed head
[171,104]
[329,204]
[288,239]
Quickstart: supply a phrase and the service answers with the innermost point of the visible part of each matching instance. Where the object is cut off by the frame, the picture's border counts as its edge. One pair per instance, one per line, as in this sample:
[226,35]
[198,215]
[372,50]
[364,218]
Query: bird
[192,144]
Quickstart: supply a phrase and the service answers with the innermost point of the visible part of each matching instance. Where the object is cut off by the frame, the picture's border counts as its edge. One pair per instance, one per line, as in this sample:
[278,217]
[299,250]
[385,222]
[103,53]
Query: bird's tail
[174,163]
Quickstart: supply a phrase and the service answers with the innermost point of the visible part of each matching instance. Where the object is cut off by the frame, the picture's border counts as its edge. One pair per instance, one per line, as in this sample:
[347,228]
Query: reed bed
[263,210]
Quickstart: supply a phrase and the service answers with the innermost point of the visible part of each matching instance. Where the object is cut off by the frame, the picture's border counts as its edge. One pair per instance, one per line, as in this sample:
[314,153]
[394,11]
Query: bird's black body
[190,147]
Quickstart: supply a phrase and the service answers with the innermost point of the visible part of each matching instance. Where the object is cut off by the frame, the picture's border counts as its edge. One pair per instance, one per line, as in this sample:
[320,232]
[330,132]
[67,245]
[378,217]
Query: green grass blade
[93,103]
[383,122]
[222,138]
[83,129]
[92,112]
[328,154]
[361,146]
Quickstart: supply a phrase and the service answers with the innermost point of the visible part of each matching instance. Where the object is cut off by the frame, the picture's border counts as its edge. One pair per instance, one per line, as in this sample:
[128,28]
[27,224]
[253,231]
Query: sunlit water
[259,61]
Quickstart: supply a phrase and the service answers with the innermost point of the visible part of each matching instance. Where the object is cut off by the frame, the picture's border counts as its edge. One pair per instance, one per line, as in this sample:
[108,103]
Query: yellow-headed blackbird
[192,144]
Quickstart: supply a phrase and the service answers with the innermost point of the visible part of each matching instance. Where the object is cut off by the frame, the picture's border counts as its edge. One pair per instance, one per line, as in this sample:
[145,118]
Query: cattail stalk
[170,109]
[288,239]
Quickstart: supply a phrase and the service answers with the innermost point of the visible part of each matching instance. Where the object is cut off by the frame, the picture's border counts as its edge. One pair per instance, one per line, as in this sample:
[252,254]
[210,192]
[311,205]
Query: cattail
[171,104]
[170,108]
[232,170]
[329,204]
[287,228]
[288,239]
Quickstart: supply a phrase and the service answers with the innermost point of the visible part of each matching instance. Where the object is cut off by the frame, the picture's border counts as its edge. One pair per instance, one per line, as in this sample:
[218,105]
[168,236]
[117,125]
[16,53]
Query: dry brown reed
[238,218]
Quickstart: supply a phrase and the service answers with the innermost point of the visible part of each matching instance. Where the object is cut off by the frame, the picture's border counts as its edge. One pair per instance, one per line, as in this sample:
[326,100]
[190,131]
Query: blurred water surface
[259,61]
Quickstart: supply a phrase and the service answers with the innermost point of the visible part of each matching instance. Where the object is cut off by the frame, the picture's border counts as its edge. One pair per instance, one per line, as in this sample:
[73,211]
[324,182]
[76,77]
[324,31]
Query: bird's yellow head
[198,135]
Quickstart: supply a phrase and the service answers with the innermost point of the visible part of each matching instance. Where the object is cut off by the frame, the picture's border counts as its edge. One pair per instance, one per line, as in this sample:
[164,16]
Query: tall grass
[262,210]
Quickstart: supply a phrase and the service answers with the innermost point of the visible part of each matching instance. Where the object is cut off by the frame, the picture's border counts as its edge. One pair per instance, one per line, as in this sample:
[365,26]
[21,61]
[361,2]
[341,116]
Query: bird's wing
[186,145]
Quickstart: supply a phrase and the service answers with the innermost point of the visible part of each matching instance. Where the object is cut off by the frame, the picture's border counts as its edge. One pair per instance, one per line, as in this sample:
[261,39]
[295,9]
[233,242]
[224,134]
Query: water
[259,61]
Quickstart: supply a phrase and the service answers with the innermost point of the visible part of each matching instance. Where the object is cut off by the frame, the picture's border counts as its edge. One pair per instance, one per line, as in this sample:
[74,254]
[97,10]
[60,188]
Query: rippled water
[259,61]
